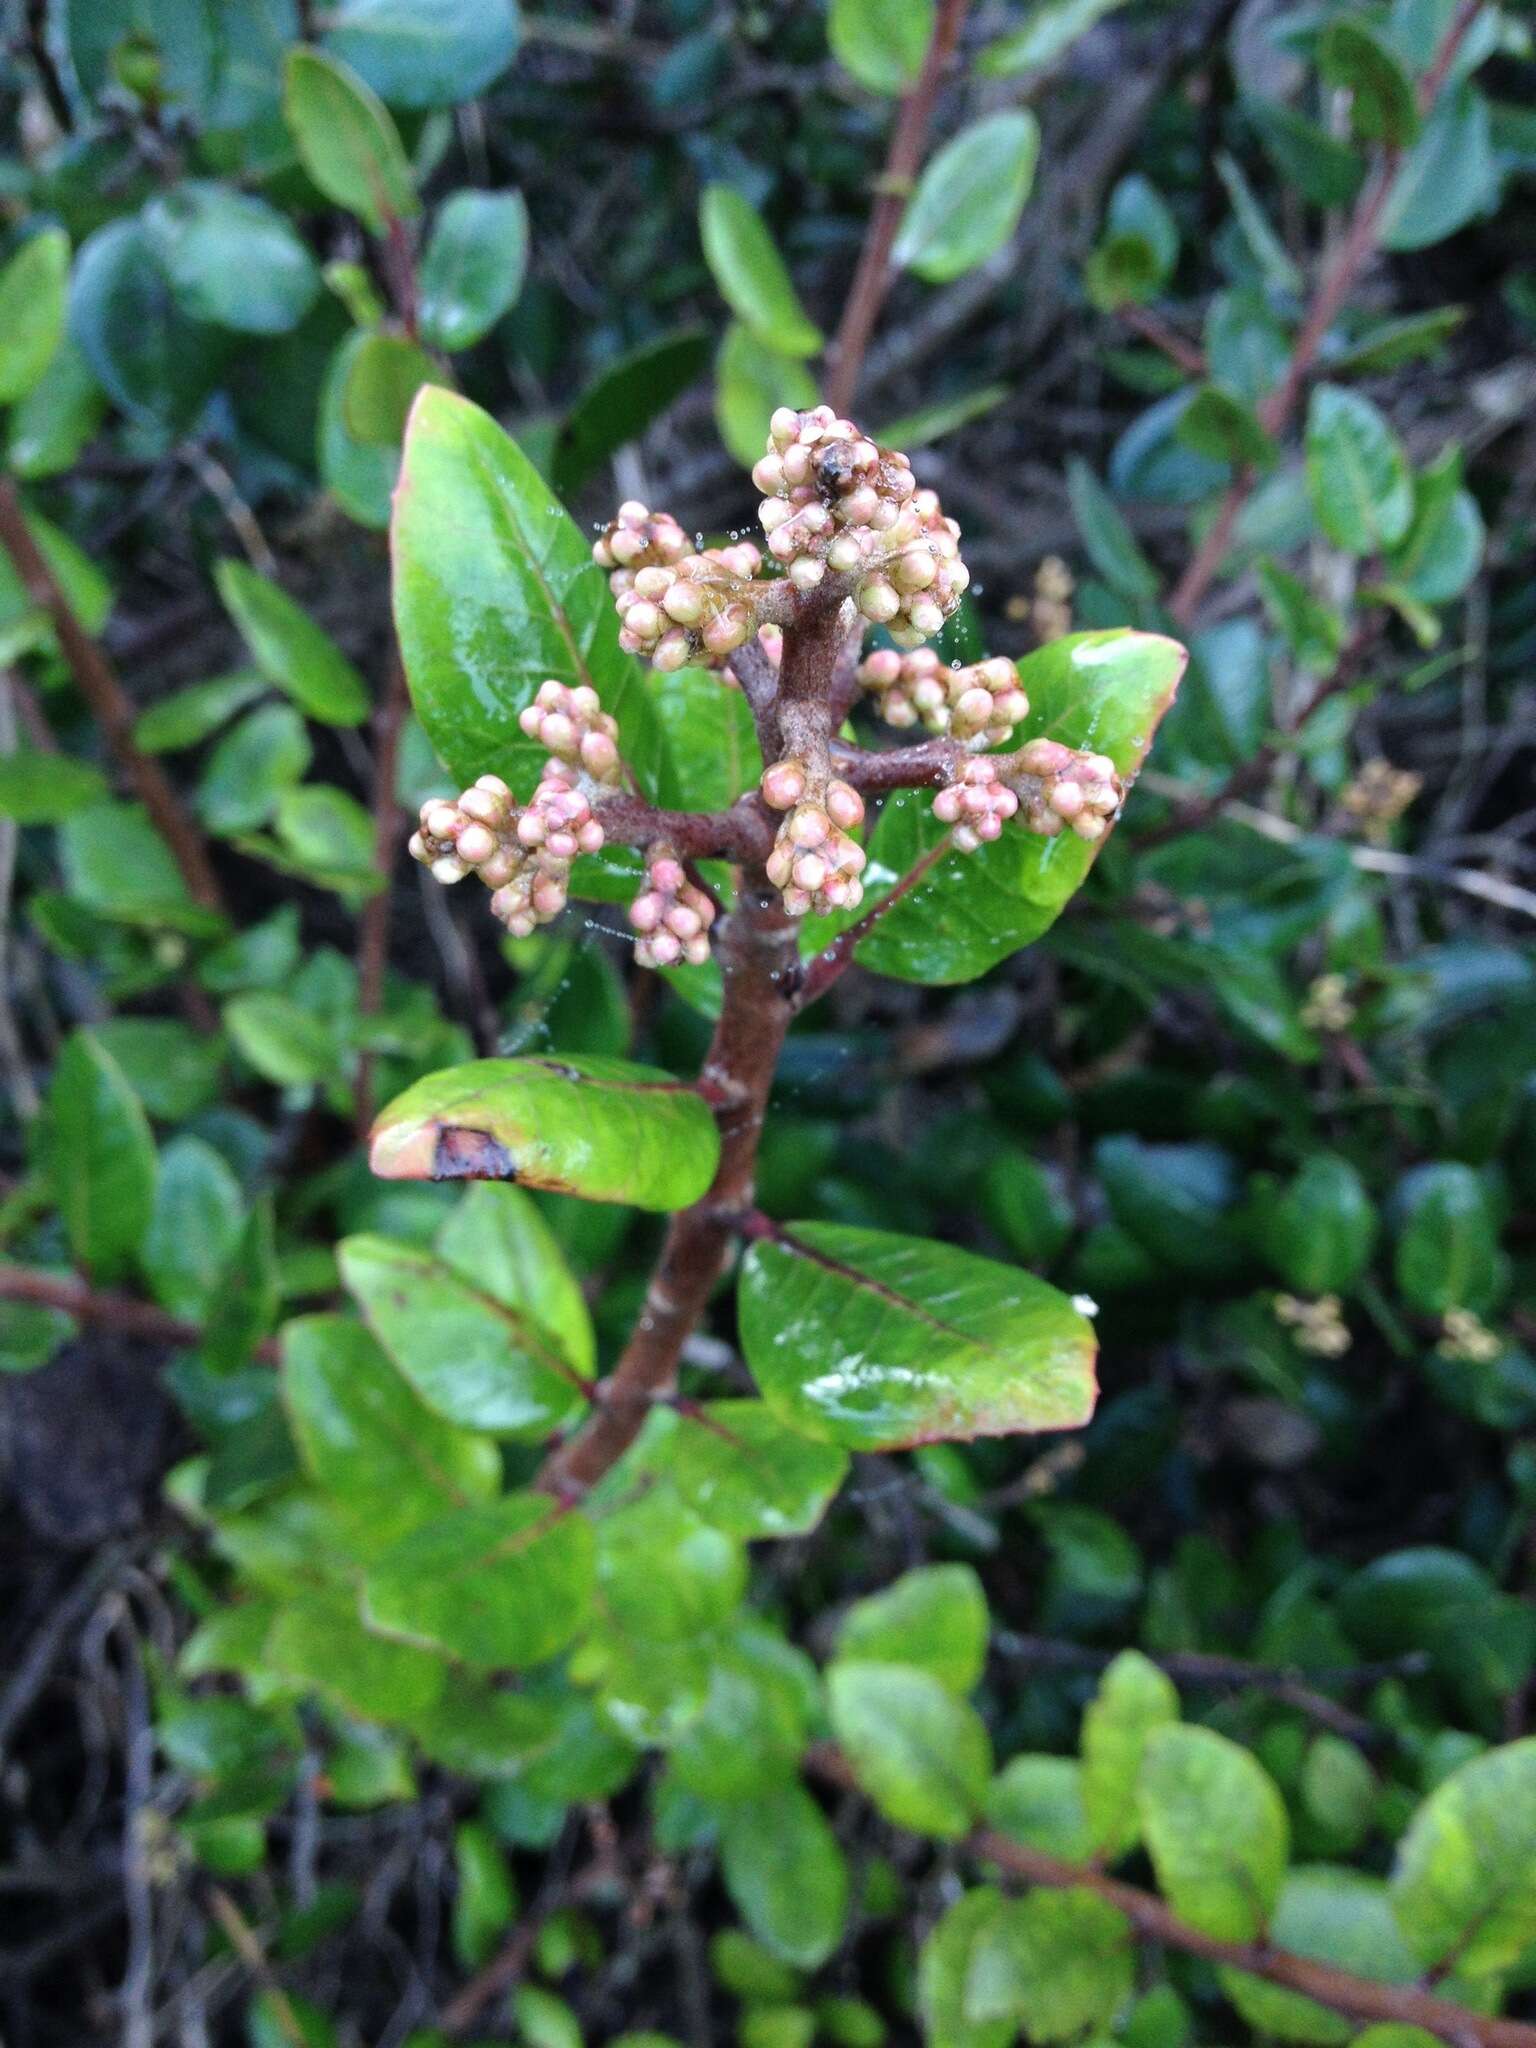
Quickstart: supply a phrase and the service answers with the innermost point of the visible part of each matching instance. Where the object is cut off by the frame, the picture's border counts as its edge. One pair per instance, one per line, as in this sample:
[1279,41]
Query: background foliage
[1259,1638]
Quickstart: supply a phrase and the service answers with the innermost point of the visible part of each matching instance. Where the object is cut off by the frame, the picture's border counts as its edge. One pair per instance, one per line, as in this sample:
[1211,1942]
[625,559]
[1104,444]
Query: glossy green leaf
[362,1434]
[944,1969]
[473,268]
[43,789]
[623,400]
[1464,1885]
[495,589]
[664,1574]
[497,1239]
[319,1639]
[919,1753]
[1038,1800]
[934,1618]
[712,750]
[1052,28]
[751,274]
[1382,104]
[142,349]
[290,649]
[101,1158]
[740,1468]
[1104,690]
[1058,1962]
[601,1128]
[194,1227]
[247,772]
[500,1586]
[194,714]
[1321,1231]
[786,1875]
[1357,474]
[881,43]
[383,378]
[876,1341]
[474,1358]
[752,380]
[360,475]
[1216,1829]
[346,139]
[1133,1700]
[34,288]
[425,53]
[230,258]
[969,198]
[1447,1253]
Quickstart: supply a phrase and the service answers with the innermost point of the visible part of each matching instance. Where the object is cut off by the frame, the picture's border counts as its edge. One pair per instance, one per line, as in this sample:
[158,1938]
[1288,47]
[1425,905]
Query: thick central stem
[759,962]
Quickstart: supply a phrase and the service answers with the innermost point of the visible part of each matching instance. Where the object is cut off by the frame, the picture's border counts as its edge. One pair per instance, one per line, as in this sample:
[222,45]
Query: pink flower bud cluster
[1071,790]
[834,500]
[979,705]
[696,612]
[978,803]
[524,857]
[571,724]
[815,864]
[671,914]
[639,539]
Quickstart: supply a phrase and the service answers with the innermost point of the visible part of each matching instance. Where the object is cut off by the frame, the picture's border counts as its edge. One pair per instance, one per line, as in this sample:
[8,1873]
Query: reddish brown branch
[373,926]
[741,833]
[872,277]
[834,961]
[1152,327]
[1360,1998]
[121,1312]
[110,705]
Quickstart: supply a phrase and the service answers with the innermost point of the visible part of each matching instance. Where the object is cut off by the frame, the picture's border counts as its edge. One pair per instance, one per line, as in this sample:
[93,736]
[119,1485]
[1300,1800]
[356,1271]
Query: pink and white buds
[697,611]
[814,863]
[671,914]
[979,705]
[1060,788]
[572,724]
[977,804]
[638,539]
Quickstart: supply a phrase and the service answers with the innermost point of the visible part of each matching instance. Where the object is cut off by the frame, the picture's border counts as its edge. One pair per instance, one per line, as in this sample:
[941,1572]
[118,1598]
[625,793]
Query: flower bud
[672,915]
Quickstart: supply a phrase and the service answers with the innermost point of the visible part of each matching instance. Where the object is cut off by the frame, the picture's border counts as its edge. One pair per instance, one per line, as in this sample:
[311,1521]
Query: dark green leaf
[230,258]
[425,53]
[624,399]
[1357,474]
[1382,104]
[1447,1253]
[1110,543]
[101,1158]
[1321,1231]
[383,378]
[752,379]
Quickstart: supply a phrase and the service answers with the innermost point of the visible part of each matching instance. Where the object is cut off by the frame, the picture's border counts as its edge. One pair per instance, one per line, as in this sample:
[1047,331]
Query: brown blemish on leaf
[465,1154]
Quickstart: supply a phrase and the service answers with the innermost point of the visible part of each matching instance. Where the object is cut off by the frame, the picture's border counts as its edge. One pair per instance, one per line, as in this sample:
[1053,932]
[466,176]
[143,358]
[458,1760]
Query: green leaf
[1424,1599]
[1264,244]
[740,1468]
[664,1575]
[189,716]
[1443,548]
[287,1043]
[751,1733]
[1321,167]
[500,1586]
[786,1875]
[918,1752]
[1388,344]
[328,837]
[1451,177]
[1357,474]
[1216,1830]
[751,274]
[101,1158]
[1464,1885]
[712,750]
[1313,630]
[388,1462]
[944,1970]
[359,475]
[1332,1916]
[931,423]
[425,53]
[116,864]
[1223,425]
[1382,104]
[230,258]
[1447,1252]
[1110,543]
[1134,1699]
[495,590]
[1139,248]
[497,1239]
[52,423]
[602,1128]
[881,43]
[290,649]
[193,1230]
[752,380]
[1321,1231]
[1106,691]
[473,270]
[318,1639]
[1051,30]
[623,400]
[474,1358]
[1038,1800]
[44,789]
[34,289]
[254,763]
[876,1341]
[1059,1962]
[383,378]
[486,1898]
[142,349]
[969,198]
[934,1618]
[346,140]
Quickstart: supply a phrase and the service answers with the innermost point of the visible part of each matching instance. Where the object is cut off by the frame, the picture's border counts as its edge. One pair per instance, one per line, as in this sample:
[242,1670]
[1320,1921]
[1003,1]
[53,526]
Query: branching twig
[120,1312]
[834,960]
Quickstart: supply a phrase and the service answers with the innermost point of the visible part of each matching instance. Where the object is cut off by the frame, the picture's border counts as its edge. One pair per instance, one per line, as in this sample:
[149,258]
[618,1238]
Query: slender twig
[1152,327]
[872,277]
[39,49]
[42,1653]
[1360,1998]
[120,1312]
[110,704]
[19,1084]
[1354,250]
[834,960]
[247,1944]
[373,925]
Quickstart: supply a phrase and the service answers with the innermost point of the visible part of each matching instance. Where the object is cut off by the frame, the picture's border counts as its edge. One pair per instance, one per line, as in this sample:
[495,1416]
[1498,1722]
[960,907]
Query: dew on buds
[814,863]
[977,804]
[671,914]
[978,705]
